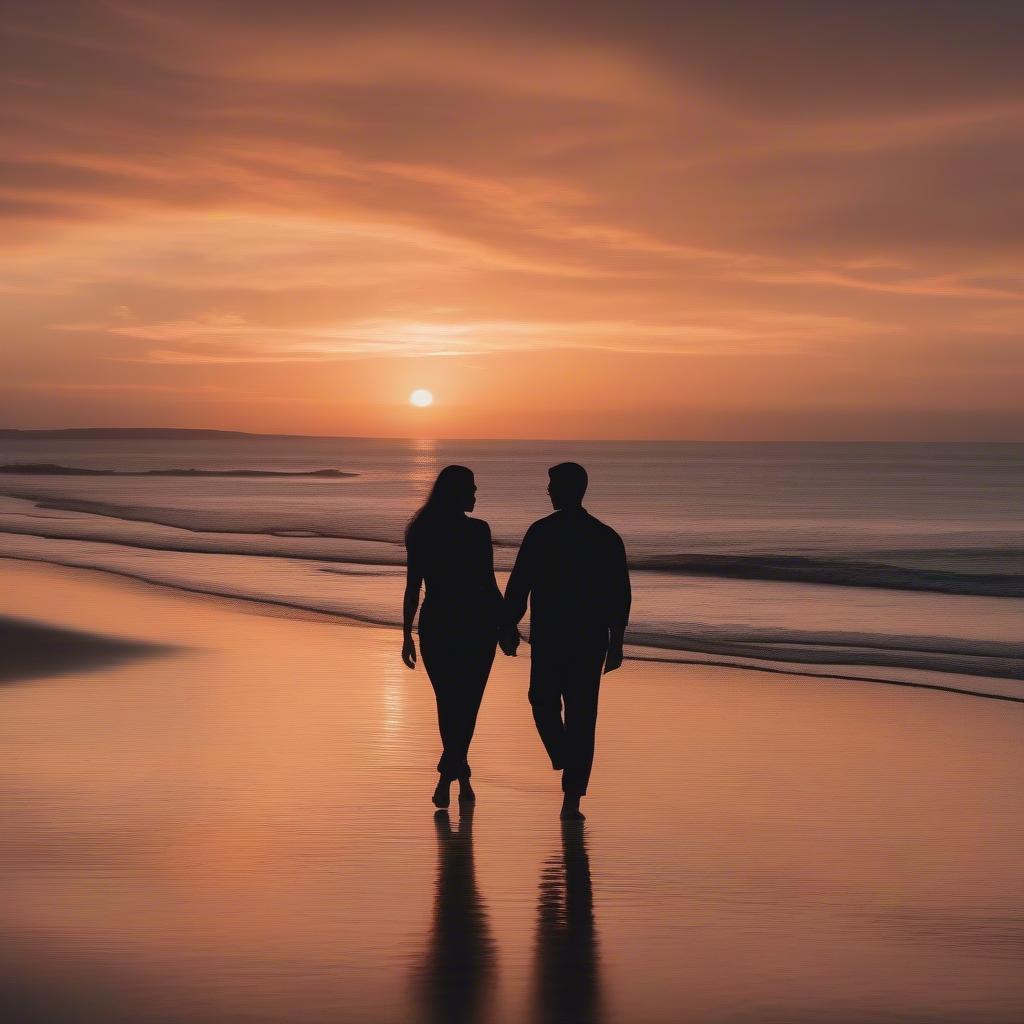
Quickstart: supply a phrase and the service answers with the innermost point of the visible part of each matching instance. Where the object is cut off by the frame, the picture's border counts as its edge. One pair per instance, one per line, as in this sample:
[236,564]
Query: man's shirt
[572,568]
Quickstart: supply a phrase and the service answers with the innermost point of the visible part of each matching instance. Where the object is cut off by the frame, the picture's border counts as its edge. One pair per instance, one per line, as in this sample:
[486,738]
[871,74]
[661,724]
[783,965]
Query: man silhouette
[572,569]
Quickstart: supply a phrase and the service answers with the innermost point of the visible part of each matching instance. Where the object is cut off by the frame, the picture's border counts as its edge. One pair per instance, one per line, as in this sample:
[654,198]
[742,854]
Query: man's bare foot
[466,794]
[571,809]
[442,797]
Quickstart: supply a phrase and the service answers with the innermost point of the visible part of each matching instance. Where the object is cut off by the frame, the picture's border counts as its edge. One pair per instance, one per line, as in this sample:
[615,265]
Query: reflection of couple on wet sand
[458,976]
[571,568]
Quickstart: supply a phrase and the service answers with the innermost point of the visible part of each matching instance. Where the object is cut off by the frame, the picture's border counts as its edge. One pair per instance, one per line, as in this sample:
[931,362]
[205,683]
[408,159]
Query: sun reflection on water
[424,451]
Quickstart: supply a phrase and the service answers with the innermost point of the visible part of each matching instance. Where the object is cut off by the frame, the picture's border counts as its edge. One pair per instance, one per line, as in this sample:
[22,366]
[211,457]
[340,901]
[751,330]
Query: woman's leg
[441,662]
[458,675]
[477,669]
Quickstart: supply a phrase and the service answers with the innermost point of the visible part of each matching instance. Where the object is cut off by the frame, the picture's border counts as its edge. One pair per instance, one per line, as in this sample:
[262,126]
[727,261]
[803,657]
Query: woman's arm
[413,583]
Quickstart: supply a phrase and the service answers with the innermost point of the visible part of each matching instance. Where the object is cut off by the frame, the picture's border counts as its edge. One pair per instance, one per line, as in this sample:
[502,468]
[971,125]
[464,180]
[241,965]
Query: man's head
[567,485]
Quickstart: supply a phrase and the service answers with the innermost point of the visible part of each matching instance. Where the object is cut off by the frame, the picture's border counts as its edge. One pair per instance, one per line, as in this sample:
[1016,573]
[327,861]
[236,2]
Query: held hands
[508,640]
[613,660]
[409,651]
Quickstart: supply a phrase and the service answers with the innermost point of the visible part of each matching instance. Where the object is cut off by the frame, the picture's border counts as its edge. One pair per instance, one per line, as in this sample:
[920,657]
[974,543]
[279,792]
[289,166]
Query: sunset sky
[689,220]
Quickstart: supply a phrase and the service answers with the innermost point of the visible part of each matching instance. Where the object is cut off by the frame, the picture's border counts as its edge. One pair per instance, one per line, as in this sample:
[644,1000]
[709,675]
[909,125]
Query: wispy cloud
[261,184]
[231,338]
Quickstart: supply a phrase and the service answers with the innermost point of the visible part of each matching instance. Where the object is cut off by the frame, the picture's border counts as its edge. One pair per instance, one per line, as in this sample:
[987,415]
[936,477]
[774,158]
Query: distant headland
[128,434]
[49,469]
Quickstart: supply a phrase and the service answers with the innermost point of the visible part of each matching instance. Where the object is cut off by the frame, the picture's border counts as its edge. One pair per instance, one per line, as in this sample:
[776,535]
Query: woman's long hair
[444,502]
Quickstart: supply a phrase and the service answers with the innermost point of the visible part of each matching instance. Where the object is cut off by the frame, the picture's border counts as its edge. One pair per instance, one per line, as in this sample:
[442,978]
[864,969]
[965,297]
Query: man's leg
[546,701]
[582,688]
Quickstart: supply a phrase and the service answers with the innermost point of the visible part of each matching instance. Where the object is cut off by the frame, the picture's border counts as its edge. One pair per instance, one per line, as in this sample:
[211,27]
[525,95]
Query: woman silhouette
[451,552]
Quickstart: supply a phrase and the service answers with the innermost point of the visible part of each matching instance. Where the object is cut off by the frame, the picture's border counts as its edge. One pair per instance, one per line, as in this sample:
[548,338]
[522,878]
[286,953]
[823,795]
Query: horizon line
[54,432]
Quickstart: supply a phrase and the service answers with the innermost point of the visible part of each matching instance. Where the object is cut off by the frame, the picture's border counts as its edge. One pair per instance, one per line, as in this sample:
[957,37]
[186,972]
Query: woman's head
[453,493]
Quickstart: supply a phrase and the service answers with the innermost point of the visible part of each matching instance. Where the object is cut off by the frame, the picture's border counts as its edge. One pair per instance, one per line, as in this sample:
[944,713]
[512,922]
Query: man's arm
[621,595]
[517,593]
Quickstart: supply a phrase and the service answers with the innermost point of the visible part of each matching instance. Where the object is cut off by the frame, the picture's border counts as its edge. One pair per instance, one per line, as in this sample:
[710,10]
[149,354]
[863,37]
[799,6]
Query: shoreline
[741,663]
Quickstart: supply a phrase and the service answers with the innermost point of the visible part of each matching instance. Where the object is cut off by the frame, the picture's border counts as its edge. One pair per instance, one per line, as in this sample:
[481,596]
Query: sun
[421,397]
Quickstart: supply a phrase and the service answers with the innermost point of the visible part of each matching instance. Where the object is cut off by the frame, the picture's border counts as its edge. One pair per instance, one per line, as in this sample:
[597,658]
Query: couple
[572,569]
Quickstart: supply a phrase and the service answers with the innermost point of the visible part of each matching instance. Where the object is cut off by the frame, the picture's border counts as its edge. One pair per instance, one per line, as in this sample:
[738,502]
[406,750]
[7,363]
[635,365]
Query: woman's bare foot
[442,797]
[571,809]
[466,794]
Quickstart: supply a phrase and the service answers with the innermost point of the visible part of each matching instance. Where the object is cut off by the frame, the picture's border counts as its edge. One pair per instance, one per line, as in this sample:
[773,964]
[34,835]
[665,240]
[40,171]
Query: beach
[218,810]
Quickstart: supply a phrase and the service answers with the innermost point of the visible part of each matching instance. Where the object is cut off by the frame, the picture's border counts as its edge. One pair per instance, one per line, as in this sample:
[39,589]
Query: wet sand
[236,827]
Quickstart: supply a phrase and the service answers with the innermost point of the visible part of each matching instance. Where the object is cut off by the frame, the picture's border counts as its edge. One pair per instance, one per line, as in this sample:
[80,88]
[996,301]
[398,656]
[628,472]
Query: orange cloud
[748,207]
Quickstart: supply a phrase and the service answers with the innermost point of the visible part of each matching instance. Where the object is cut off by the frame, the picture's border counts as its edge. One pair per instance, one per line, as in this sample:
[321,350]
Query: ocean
[901,563]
